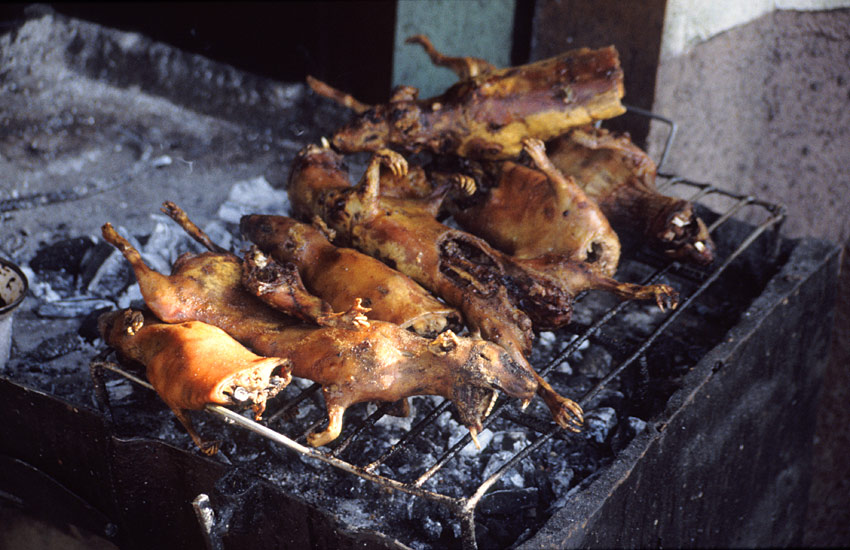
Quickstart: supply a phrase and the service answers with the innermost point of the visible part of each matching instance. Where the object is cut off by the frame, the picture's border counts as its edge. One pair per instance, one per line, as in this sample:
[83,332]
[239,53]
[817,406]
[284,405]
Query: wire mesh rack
[768,219]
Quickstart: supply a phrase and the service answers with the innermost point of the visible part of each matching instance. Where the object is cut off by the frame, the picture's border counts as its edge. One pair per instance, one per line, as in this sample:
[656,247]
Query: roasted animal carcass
[354,360]
[554,234]
[341,275]
[529,212]
[489,111]
[620,177]
[192,364]
[404,233]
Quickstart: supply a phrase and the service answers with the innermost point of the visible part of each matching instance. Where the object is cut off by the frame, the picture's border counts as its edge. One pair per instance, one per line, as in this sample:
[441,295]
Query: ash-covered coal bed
[75,279]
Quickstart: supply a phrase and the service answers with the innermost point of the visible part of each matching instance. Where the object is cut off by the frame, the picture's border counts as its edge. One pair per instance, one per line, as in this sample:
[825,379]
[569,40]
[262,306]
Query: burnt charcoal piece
[64,255]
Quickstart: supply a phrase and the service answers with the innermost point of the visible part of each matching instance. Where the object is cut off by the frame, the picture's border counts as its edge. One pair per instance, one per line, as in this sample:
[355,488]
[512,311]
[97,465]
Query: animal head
[483,369]
[115,326]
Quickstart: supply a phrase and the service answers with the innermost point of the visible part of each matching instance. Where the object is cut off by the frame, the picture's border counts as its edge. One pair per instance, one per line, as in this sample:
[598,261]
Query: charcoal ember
[219,234]
[626,431]
[165,244]
[576,385]
[484,438]
[607,397]
[505,515]
[598,423]
[429,518]
[515,477]
[595,363]
[105,271]
[513,441]
[119,389]
[56,346]
[563,481]
[252,196]
[65,255]
[509,501]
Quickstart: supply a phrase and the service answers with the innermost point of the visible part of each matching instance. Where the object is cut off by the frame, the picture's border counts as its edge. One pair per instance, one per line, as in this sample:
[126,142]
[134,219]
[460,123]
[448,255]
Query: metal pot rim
[4,263]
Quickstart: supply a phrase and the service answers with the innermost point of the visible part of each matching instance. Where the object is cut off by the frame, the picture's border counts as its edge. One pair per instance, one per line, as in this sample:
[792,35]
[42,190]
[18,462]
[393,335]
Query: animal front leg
[566,412]
[207,446]
[335,412]
[369,188]
[280,286]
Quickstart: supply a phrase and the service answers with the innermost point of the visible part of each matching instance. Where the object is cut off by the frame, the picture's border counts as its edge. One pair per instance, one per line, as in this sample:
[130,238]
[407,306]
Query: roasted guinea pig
[488,112]
[341,275]
[193,364]
[620,177]
[404,233]
[354,359]
[555,235]
[529,212]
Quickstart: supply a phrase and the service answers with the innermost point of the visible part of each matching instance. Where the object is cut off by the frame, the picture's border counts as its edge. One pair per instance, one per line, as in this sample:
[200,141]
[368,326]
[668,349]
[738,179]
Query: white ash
[165,244]
[71,308]
[598,423]
[38,288]
[119,388]
[251,197]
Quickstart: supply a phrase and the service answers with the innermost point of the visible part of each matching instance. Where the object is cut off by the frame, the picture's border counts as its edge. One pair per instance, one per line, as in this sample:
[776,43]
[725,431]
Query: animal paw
[392,160]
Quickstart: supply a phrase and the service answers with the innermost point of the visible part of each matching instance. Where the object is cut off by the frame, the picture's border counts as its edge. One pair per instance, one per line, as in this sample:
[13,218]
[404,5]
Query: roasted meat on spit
[352,358]
[551,230]
[192,364]
[489,111]
[620,177]
[340,275]
[404,233]
[530,212]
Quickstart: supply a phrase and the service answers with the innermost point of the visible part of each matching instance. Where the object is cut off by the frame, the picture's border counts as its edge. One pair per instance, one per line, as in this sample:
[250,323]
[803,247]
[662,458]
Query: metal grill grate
[539,430]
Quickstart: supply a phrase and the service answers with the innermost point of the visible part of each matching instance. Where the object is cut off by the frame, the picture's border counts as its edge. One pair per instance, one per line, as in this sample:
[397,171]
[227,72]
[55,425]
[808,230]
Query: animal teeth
[699,246]
[493,397]
[679,222]
[474,433]
[240,394]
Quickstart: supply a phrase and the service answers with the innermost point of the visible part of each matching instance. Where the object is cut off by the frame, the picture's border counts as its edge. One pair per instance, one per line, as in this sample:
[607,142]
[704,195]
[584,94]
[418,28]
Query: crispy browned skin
[354,360]
[556,237]
[460,268]
[341,275]
[192,364]
[530,212]
[488,113]
[297,302]
[620,177]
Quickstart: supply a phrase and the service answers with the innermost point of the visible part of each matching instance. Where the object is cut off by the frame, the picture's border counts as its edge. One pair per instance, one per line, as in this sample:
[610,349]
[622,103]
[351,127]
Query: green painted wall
[477,28]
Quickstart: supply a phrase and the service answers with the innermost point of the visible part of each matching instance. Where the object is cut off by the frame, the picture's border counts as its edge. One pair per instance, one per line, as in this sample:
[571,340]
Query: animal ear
[444,343]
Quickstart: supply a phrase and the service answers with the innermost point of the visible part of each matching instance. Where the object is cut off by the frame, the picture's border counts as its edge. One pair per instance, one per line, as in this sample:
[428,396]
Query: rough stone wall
[763,109]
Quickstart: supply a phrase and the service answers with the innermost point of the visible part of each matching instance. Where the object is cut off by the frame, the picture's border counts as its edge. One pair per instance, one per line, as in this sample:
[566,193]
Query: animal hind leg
[464,67]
